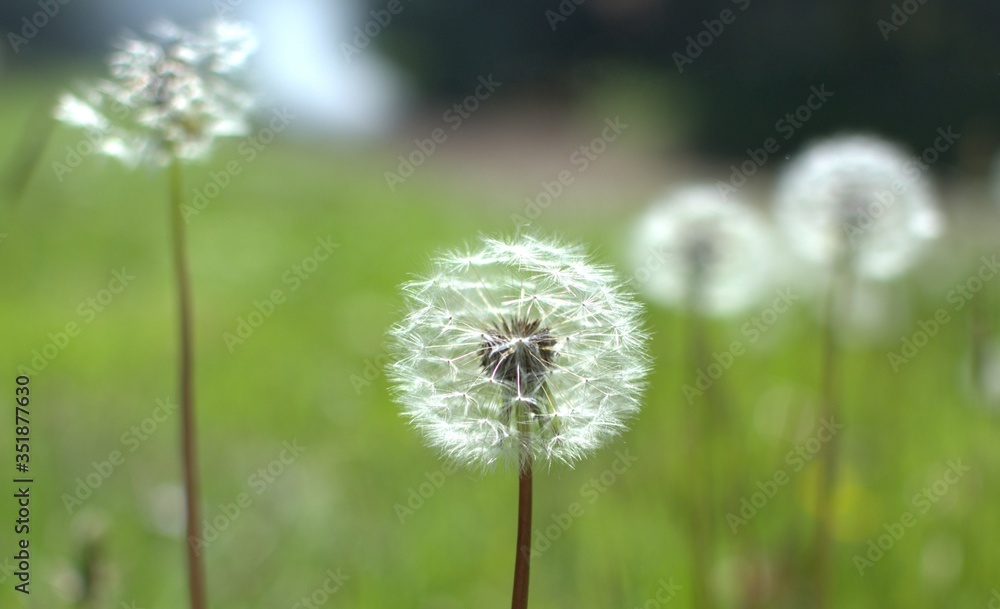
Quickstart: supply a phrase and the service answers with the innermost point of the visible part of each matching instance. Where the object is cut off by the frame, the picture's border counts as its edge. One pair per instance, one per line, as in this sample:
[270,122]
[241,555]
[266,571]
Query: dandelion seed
[859,199]
[518,345]
[169,97]
[695,248]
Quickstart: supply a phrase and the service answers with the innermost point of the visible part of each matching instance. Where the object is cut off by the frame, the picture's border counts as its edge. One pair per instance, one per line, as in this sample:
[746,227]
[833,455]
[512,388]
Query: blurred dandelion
[860,201]
[694,248]
[166,102]
[858,207]
[519,351]
[167,98]
[707,254]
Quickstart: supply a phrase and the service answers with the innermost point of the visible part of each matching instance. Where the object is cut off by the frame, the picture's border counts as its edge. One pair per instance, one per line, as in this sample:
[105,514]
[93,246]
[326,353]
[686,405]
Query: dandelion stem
[702,445]
[192,496]
[28,155]
[979,333]
[826,499]
[522,564]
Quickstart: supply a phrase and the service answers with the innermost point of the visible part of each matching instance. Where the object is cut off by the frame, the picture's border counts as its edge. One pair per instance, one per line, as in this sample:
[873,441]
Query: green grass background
[336,506]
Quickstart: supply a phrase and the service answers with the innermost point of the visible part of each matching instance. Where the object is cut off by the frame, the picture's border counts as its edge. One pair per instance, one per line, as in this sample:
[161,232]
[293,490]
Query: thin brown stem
[522,564]
[979,342]
[28,155]
[702,446]
[826,489]
[192,495]
[704,482]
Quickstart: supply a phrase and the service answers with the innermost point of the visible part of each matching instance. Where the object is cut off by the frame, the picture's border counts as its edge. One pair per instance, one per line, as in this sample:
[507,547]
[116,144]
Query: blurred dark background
[902,68]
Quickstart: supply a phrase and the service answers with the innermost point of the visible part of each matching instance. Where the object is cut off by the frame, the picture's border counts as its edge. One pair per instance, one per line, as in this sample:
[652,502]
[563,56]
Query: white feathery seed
[518,345]
[858,198]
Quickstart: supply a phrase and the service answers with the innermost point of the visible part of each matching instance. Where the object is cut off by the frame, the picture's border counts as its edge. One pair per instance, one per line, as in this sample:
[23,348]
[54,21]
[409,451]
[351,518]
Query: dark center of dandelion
[519,353]
[702,253]
[856,199]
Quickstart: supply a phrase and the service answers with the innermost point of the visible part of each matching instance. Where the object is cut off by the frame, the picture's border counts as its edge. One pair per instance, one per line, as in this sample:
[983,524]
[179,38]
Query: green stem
[826,488]
[28,155]
[702,449]
[192,495]
[522,563]
[979,335]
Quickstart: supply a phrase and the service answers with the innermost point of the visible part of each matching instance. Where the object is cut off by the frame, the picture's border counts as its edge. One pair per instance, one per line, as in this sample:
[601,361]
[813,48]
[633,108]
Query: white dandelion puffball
[520,347]
[858,198]
[167,97]
[695,247]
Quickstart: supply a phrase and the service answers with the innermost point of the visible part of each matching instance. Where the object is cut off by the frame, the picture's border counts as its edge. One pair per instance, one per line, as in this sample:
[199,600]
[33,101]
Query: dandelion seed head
[171,95]
[518,345]
[858,197]
[696,247]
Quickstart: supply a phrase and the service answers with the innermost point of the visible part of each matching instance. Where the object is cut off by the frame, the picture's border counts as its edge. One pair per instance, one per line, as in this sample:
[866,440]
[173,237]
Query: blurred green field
[301,377]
